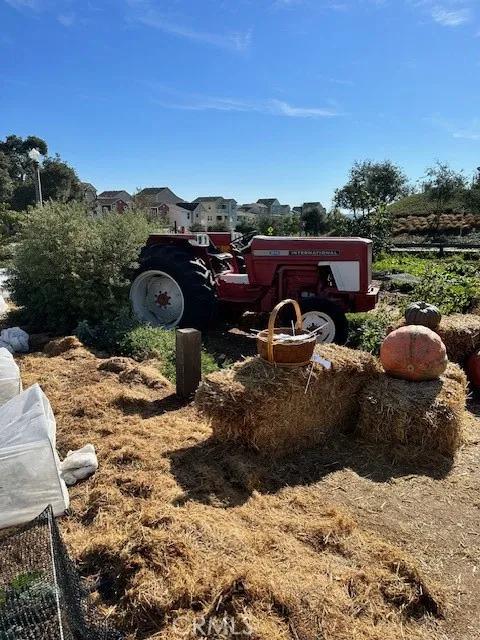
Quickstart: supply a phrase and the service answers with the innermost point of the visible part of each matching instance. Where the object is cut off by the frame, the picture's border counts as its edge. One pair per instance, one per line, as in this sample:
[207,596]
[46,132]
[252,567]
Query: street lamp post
[36,156]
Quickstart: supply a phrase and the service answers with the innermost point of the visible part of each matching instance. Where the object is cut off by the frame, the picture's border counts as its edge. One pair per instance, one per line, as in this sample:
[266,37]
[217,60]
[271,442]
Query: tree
[472,195]
[59,181]
[17,174]
[196,227]
[244,226]
[286,225]
[314,220]
[218,226]
[371,185]
[441,184]
[6,182]
[16,149]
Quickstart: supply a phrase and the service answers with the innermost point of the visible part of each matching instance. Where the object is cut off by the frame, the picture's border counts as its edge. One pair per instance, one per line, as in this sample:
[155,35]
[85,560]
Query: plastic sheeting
[29,466]
[10,381]
[14,339]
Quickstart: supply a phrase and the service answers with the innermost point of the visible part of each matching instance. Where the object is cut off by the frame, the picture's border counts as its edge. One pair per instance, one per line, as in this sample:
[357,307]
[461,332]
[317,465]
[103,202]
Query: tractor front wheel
[173,289]
[318,312]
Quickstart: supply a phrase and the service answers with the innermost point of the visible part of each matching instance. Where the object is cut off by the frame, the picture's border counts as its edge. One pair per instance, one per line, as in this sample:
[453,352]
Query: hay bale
[460,334]
[266,407]
[425,415]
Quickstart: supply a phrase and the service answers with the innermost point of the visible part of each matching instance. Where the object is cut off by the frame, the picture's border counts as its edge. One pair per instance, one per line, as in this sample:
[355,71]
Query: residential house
[89,194]
[219,210]
[274,207]
[249,213]
[113,201]
[308,206]
[185,214]
[157,200]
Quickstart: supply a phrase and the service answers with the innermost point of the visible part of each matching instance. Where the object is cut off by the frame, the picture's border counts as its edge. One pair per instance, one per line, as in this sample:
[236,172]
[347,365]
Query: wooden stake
[188,361]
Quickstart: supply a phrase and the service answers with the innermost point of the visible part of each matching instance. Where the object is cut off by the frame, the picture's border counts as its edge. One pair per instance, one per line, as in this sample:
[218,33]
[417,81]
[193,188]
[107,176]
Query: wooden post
[189,361]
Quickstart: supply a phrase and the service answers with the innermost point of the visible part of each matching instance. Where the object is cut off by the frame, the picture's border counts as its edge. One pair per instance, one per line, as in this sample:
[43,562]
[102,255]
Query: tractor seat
[234,278]
[220,256]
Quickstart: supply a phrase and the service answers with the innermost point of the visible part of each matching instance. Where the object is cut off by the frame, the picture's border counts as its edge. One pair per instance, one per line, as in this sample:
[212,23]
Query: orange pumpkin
[473,369]
[414,353]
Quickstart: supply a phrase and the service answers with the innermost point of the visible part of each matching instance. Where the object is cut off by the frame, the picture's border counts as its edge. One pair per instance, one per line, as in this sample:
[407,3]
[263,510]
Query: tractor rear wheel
[320,312]
[173,289]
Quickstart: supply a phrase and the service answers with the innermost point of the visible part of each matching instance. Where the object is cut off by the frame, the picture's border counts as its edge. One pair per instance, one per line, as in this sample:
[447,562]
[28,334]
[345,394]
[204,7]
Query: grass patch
[368,330]
[125,336]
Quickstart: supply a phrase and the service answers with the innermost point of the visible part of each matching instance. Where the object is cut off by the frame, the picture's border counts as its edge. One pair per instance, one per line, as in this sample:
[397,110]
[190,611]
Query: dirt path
[435,516]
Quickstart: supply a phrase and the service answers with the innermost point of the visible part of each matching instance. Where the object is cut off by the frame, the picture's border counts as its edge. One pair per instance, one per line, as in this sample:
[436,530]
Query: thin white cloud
[145,13]
[66,19]
[281,108]
[464,131]
[451,17]
[269,107]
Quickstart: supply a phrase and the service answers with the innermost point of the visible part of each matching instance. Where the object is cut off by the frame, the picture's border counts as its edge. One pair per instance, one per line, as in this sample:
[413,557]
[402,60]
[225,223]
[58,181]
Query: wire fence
[41,594]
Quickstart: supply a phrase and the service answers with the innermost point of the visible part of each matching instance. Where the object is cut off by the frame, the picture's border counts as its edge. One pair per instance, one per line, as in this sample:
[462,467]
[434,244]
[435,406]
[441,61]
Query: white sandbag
[15,337]
[79,464]
[7,346]
[29,465]
[10,381]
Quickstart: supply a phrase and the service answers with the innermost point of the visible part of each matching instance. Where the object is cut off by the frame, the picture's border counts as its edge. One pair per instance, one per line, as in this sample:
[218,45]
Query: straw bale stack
[460,334]
[266,407]
[428,416]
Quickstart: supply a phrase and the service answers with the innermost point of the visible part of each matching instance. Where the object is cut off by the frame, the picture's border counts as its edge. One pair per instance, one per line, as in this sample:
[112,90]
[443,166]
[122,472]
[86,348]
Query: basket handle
[273,319]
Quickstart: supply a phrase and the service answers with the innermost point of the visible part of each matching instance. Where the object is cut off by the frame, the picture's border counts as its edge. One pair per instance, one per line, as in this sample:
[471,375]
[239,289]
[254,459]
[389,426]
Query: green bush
[367,330]
[71,266]
[108,334]
[125,336]
[451,292]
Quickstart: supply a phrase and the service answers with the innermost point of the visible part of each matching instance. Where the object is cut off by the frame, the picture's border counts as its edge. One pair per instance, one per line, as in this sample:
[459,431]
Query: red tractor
[182,279]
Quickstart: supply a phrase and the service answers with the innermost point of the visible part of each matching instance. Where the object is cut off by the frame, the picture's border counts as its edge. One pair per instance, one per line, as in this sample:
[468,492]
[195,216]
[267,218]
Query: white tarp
[29,465]
[10,381]
[14,339]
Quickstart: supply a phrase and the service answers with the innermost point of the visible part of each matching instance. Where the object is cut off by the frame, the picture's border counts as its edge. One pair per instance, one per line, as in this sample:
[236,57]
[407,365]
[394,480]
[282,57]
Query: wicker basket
[295,354]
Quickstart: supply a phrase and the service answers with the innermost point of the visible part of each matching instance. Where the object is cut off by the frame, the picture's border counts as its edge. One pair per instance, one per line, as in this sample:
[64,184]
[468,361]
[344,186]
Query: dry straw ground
[342,543]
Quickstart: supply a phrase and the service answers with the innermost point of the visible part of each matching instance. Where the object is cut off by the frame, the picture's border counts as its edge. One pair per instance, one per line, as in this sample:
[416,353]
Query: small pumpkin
[473,369]
[414,353]
[422,313]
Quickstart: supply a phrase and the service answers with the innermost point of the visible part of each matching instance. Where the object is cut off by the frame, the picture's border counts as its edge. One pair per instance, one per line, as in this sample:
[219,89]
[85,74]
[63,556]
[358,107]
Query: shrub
[108,334]
[367,330]
[71,266]
[451,291]
[125,336]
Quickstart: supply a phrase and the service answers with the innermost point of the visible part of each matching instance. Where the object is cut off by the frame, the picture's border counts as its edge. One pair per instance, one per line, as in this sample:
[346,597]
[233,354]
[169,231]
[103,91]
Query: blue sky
[242,98]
